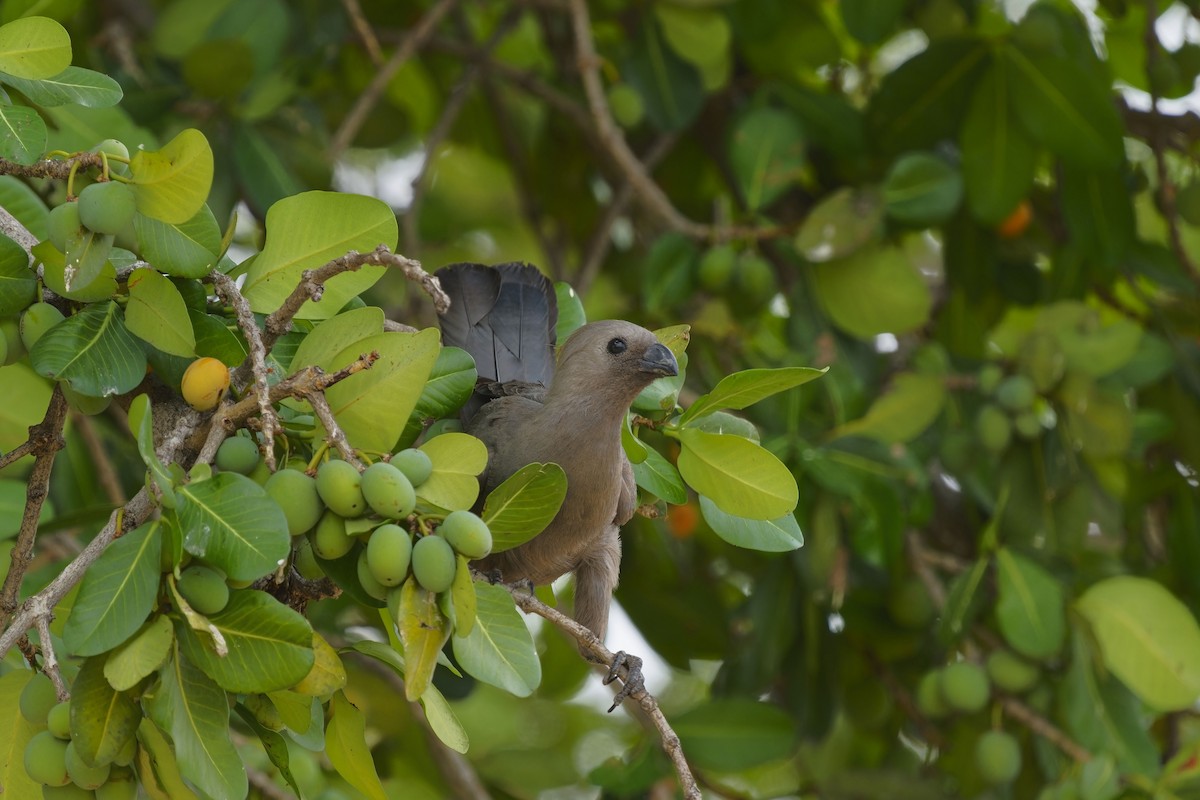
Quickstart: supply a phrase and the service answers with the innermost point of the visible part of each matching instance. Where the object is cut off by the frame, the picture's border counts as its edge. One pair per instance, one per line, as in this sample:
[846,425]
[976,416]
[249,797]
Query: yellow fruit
[1015,223]
[205,383]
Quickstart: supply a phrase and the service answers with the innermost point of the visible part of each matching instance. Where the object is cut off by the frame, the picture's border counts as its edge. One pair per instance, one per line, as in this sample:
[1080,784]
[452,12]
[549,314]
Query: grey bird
[531,407]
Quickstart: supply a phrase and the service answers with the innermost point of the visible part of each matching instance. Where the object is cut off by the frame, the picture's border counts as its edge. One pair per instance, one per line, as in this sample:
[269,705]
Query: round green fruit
[106,207]
[340,486]
[626,104]
[204,589]
[997,757]
[85,404]
[238,454]
[467,534]
[37,698]
[965,686]
[59,720]
[929,695]
[112,147]
[68,792]
[415,465]
[389,553]
[119,787]
[993,428]
[1011,672]
[46,759]
[1027,426]
[715,272]
[81,774]
[63,225]
[433,563]
[36,320]
[388,491]
[367,581]
[990,376]
[754,282]
[296,493]
[329,539]
[1016,393]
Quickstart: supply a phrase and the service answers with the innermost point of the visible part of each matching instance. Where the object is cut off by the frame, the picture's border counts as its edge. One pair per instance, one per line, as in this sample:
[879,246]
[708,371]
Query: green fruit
[965,686]
[112,147]
[296,493]
[81,774]
[990,376]
[122,787]
[37,698]
[754,282]
[46,760]
[715,272]
[1187,203]
[305,561]
[1010,672]
[340,486]
[415,465]
[68,792]
[63,225]
[329,539]
[12,334]
[1042,359]
[997,757]
[433,563]
[204,589]
[36,320]
[106,207]
[626,104]
[387,491]
[993,428]
[929,695]
[389,553]
[1016,393]
[1027,426]
[367,581]
[85,403]
[909,604]
[59,720]
[238,454]
[467,534]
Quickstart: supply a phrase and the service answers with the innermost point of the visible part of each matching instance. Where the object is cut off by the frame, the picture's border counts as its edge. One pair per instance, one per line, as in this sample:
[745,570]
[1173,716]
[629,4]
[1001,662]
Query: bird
[535,402]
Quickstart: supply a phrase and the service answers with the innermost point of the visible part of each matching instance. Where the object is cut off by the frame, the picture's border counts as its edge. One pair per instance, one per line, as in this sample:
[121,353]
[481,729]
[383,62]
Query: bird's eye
[617,346]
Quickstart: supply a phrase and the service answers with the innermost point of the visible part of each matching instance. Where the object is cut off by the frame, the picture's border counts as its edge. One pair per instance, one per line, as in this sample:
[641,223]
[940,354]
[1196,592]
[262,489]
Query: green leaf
[141,656]
[55,274]
[270,645]
[261,168]
[27,395]
[187,250]
[450,383]
[102,720]
[34,47]
[672,88]
[658,476]
[874,291]
[1065,108]
[199,724]
[92,351]
[1148,637]
[17,733]
[841,223]
[1029,606]
[770,536]
[766,155]
[215,340]
[18,283]
[499,650]
[871,21]
[524,504]
[157,314]
[22,134]
[141,422]
[327,674]
[463,596]
[117,593]
[231,523]
[698,35]
[998,158]
[373,406]
[730,735]
[922,189]
[74,85]
[86,259]
[457,458]
[963,602]
[26,205]
[274,744]
[571,316]
[424,632]
[1098,207]
[346,747]
[745,388]
[443,721]
[308,230]
[741,477]
[333,336]
[171,184]
[911,405]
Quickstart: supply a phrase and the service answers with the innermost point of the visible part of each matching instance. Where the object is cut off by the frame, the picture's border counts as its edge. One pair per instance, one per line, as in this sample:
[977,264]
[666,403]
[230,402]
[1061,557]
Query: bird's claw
[632,682]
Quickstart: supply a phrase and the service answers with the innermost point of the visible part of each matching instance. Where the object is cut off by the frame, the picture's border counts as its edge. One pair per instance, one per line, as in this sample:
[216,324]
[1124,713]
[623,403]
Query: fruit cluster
[1012,407]
[52,759]
[105,208]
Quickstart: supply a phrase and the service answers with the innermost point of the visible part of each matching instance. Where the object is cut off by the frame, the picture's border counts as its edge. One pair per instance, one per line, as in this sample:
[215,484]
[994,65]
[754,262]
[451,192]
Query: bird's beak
[658,360]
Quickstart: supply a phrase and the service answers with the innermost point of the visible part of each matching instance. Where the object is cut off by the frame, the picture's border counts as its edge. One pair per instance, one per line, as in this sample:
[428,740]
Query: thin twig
[333,432]
[370,96]
[56,168]
[1045,728]
[106,473]
[50,660]
[363,28]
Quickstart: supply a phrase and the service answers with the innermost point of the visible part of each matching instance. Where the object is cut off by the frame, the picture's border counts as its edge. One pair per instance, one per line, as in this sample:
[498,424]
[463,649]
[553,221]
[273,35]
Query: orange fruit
[1015,223]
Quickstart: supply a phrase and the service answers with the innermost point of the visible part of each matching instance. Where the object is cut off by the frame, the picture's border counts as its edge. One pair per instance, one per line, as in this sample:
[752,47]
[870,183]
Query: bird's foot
[633,681]
[493,576]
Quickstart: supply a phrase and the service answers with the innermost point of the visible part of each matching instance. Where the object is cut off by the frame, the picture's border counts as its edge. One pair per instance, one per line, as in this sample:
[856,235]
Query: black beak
[658,360]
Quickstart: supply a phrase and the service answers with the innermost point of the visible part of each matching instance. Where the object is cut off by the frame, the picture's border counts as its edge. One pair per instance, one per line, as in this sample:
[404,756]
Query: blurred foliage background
[984,217]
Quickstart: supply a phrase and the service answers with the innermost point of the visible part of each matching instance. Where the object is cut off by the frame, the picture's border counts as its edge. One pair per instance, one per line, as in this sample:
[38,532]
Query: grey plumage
[574,422]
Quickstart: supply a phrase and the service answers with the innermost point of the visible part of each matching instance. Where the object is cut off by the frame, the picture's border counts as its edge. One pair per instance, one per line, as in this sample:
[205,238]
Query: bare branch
[333,432]
[57,168]
[106,473]
[1045,728]
[363,28]
[50,660]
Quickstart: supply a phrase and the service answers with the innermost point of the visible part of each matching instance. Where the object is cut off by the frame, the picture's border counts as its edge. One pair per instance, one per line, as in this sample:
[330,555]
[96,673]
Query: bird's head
[613,360]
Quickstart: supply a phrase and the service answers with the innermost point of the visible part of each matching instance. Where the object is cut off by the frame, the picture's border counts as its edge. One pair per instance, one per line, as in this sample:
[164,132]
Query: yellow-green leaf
[457,458]
[738,475]
[327,674]
[346,747]
[34,47]
[172,184]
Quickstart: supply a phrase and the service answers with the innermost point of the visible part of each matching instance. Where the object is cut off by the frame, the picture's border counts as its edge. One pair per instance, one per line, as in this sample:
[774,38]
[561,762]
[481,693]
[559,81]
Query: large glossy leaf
[308,230]
[270,645]
[331,337]
[187,249]
[745,388]
[231,523]
[22,134]
[423,631]
[346,747]
[55,274]
[659,476]
[738,475]
[92,351]
[840,224]
[17,733]
[141,656]
[998,158]
[922,189]
[25,204]
[18,283]
[117,593]
[771,536]
[103,720]
[171,184]
[874,291]
[450,383]
[1098,208]
[1029,606]
[34,47]
[732,734]
[766,154]
[457,458]
[75,85]
[327,674]
[157,314]
[86,258]
[499,649]
[671,87]
[911,405]
[524,504]
[1148,637]
[274,744]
